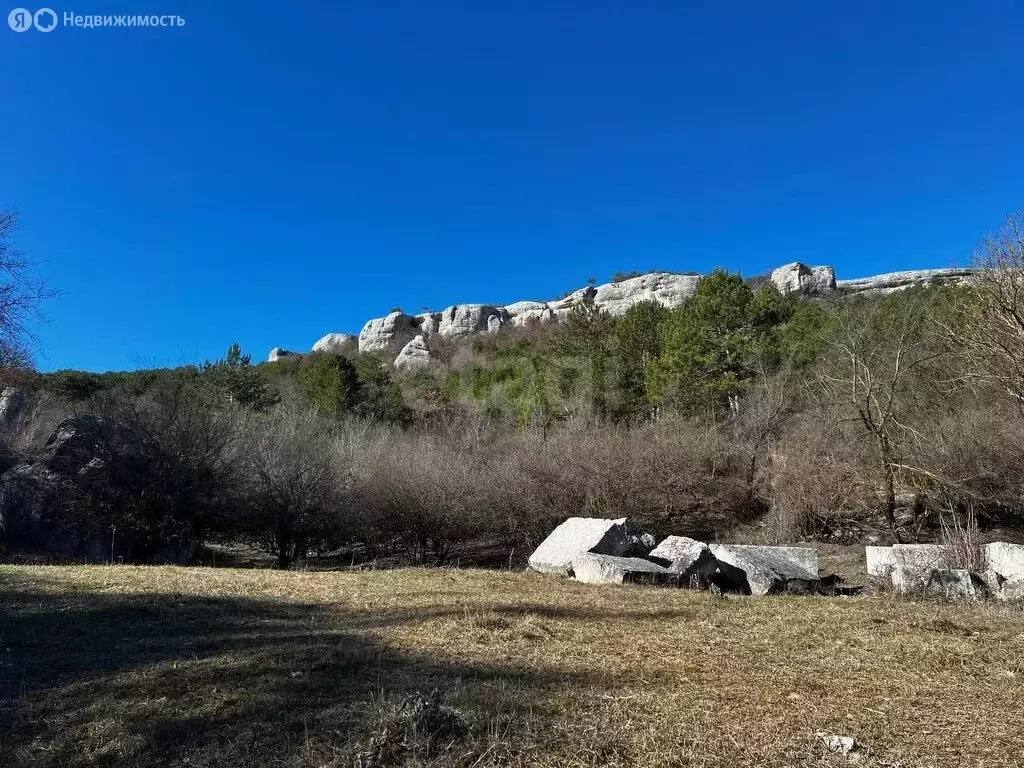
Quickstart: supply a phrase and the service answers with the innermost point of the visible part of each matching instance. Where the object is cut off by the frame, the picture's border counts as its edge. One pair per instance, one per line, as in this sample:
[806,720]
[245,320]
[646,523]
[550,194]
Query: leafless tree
[876,367]
[990,322]
[21,293]
[299,475]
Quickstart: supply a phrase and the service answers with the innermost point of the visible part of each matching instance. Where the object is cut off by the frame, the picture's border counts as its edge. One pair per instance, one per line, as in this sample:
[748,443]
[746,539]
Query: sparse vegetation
[150,666]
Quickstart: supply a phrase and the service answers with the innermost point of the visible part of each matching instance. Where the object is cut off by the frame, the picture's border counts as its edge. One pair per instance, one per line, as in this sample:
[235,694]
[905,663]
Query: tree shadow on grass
[168,679]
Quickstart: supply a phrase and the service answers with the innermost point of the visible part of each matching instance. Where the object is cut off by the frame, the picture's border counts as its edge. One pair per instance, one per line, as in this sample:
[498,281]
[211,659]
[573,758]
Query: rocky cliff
[397,330]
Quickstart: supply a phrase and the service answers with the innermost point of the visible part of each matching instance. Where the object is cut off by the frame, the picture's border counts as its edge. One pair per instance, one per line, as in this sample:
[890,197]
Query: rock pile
[933,570]
[599,551]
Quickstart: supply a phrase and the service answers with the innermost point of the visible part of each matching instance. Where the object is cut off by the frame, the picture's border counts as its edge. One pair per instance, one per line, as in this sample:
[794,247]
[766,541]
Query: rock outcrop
[900,281]
[799,278]
[277,353]
[462,320]
[414,357]
[336,343]
[52,503]
[671,289]
[381,333]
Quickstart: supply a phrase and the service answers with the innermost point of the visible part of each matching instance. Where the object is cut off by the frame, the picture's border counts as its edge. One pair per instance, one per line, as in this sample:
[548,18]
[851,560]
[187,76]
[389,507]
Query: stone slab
[607,569]
[578,536]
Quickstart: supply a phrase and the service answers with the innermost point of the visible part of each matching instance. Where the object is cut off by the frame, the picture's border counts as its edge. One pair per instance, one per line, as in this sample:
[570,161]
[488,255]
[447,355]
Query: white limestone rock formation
[523,314]
[767,570]
[891,282]
[667,288]
[462,320]
[428,323]
[608,569]
[578,536]
[414,357]
[383,332]
[278,353]
[799,278]
[336,343]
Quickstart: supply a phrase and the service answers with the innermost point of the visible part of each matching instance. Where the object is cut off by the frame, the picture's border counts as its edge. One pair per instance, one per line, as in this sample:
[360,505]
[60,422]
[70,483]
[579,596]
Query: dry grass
[119,666]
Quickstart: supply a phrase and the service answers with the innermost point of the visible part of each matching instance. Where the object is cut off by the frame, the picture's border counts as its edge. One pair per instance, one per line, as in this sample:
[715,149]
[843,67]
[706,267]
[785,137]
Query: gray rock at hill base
[12,405]
[608,569]
[891,282]
[800,278]
[414,356]
[690,559]
[462,320]
[766,570]
[336,343]
[954,583]
[395,328]
[1005,559]
[579,536]
[277,353]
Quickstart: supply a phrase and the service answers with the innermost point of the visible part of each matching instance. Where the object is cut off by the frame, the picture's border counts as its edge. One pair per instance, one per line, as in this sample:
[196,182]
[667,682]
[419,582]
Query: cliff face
[398,329]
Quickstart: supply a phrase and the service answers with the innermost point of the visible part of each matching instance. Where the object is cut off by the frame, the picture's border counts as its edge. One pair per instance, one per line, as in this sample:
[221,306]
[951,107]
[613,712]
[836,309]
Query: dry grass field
[122,666]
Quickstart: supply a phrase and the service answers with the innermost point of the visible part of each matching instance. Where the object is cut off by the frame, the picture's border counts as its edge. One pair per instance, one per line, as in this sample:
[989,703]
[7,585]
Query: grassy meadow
[144,666]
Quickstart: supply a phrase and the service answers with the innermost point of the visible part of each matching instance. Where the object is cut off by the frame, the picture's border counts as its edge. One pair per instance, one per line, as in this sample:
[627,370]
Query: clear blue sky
[274,171]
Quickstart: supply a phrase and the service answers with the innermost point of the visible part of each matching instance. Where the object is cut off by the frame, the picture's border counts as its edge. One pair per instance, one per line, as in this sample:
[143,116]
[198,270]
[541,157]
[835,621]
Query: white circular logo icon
[45,20]
[20,19]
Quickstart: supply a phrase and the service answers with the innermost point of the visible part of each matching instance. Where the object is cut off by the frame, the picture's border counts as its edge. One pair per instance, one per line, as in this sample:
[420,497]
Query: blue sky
[272,172]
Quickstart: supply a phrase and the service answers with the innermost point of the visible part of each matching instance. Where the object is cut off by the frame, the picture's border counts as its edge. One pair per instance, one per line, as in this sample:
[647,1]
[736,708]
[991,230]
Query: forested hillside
[743,412]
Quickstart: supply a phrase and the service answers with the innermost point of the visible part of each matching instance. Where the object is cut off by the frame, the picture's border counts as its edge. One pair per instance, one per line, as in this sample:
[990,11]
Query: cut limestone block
[1012,589]
[578,536]
[1005,559]
[690,559]
[607,569]
[955,583]
[762,570]
[906,567]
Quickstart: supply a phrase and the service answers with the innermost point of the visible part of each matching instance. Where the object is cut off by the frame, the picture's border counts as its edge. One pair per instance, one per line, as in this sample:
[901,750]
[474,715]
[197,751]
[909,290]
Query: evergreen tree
[588,334]
[238,380]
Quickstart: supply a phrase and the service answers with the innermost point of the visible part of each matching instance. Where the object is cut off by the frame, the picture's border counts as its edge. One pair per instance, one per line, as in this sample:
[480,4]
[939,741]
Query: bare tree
[877,368]
[21,293]
[990,322]
[299,477]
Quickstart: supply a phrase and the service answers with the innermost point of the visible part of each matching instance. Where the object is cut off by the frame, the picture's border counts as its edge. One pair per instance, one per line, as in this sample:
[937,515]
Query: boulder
[690,559]
[462,320]
[428,323]
[52,503]
[529,313]
[759,570]
[414,356]
[277,353]
[336,343]
[608,569]
[396,328]
[12,405]
[799,278]
[906,567]
[579,536]
[954,583]
[1005,559]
